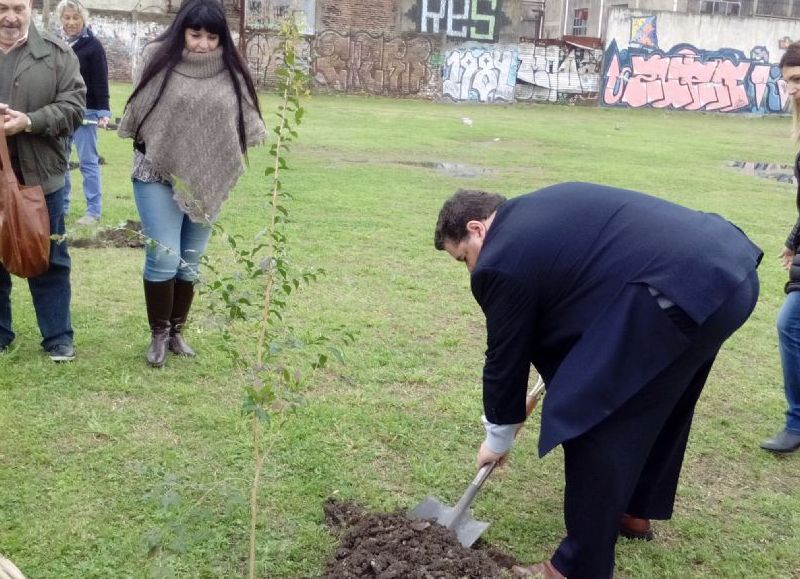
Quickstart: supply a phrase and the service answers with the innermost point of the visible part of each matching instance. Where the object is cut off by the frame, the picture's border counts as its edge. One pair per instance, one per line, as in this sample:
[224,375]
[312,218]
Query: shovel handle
[461,507]
[533,397]
[531,400]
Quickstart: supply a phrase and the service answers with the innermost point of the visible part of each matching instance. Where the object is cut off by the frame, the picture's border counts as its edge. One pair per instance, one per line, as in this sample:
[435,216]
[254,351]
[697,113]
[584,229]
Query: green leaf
[337,354]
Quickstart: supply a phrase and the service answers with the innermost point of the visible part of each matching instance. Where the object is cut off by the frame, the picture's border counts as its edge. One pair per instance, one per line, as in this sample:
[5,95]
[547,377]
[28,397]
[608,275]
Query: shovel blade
[430,508]
[467,529]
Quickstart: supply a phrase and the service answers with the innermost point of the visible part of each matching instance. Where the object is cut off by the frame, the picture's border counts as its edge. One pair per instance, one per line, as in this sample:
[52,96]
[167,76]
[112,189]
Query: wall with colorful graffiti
[668,60]
[556,71]
[545,70]
[480,74]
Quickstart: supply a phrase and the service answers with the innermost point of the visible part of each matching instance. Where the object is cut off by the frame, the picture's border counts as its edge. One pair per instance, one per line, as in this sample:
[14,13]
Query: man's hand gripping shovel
[458,518]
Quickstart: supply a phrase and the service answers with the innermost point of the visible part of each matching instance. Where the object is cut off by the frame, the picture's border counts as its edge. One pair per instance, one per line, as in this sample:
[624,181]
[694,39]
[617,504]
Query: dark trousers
[50,291]
[630,462]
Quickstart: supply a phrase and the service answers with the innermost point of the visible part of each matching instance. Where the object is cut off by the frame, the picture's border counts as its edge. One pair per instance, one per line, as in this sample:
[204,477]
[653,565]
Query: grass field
[110,469]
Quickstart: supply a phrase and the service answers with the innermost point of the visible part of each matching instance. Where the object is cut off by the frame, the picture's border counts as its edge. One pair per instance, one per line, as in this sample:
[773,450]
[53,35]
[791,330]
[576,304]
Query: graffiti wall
[263,57]
[555,71]
[695,62]
[481,74]
[689,78]
[459,19]
[363,62]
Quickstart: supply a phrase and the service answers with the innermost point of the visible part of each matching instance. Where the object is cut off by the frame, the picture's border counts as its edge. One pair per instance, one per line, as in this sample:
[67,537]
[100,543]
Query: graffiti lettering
[463,18]
[263,56]
[480,75]
[552,70]
[362,62]
[691,79]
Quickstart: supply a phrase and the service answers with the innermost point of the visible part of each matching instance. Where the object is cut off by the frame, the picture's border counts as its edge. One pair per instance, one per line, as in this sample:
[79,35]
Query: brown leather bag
[24,221]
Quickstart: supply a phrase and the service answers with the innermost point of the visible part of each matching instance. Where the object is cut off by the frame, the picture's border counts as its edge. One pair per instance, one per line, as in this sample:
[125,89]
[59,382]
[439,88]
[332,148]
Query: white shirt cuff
[499,437]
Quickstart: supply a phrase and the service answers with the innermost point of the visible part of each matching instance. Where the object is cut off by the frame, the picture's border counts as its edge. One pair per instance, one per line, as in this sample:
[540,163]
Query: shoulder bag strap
[8,171]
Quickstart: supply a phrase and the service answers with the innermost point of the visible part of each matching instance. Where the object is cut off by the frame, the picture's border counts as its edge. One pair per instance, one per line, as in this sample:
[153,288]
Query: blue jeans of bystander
[177,243]
[85,140]
[789,342]
[50,292]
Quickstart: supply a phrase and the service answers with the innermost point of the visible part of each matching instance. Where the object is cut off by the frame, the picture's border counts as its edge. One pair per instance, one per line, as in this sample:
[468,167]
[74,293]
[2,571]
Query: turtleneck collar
[201,64]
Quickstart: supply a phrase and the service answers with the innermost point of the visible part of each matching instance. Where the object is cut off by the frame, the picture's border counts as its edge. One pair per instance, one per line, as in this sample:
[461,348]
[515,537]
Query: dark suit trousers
[630,462]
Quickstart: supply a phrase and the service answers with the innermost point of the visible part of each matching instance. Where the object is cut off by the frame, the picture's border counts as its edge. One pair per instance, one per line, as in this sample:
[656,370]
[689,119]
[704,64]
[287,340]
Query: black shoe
[3,349]
[61,353]
[783,442]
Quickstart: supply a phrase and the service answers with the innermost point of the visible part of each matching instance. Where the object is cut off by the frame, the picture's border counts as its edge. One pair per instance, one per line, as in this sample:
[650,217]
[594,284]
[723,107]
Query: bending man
[621,301]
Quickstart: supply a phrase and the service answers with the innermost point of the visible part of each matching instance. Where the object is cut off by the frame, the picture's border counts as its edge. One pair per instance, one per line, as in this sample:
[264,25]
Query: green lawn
[111,469]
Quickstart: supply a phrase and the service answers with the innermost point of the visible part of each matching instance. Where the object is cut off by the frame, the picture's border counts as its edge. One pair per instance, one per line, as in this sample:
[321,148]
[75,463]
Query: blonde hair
[75,5]
[792,58]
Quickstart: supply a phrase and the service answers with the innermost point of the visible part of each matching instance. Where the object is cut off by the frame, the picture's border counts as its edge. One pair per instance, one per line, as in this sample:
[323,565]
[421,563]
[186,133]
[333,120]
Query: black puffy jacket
[793,241]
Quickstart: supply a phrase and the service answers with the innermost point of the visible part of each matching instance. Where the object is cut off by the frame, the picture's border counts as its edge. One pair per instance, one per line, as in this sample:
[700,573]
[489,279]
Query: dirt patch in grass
[128,235]
[390,545]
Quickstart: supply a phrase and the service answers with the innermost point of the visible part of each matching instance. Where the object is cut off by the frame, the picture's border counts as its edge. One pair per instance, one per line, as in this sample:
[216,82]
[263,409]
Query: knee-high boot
[158,297]
[181,303]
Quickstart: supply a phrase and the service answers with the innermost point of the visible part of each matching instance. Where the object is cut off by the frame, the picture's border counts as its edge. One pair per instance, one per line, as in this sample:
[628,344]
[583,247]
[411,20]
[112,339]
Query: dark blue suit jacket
[563,280]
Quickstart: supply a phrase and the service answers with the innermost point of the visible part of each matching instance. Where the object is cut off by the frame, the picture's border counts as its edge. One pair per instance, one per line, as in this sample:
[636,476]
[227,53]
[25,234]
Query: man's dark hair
[464,206]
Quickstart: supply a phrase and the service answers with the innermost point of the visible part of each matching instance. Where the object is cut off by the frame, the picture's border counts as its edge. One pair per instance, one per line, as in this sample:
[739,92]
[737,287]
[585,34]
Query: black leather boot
[158,298]
[181,303]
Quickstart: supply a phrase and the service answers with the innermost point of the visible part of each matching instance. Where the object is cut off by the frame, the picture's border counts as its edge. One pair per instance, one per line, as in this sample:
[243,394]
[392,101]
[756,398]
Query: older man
[42,98]
[621,301]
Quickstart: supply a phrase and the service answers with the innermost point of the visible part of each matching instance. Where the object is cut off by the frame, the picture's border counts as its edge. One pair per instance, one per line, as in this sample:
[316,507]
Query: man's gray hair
[75,5]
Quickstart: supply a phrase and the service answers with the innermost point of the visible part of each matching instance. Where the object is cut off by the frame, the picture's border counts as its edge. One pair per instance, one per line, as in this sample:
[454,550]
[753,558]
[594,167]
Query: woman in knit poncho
[192,115]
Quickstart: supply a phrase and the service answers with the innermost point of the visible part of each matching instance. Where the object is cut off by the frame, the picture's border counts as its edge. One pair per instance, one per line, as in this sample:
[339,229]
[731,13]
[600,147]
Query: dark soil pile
[390,545]
[128,235]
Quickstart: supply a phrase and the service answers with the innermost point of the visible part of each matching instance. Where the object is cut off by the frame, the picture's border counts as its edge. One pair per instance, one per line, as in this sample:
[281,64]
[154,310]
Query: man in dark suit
[621,301]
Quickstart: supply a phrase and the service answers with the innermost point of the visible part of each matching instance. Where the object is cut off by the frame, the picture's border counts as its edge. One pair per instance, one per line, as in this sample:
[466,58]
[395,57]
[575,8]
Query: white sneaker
[87,220]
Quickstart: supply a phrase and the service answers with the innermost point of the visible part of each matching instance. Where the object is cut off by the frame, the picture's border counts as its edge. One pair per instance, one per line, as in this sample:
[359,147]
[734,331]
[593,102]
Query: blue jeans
[177,242]
[50,291]
[789,344]
[85,140]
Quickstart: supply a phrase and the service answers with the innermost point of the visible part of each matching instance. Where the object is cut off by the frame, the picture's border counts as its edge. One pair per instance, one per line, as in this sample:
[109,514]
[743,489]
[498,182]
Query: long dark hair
[197,14]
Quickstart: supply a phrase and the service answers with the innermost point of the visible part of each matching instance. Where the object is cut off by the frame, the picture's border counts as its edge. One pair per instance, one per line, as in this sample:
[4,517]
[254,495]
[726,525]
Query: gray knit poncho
[192,134]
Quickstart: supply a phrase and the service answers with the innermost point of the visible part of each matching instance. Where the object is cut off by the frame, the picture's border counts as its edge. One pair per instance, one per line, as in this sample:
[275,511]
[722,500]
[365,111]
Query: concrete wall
[560,13]
[123,35]
[695,62]
[706,31]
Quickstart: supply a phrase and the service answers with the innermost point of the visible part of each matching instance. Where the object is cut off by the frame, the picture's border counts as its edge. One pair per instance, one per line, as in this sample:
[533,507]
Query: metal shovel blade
[458,518]
[467,529]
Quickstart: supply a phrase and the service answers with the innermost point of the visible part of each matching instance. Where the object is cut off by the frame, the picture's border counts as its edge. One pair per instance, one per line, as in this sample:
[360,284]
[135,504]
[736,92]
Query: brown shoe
[544,570]
[635,528]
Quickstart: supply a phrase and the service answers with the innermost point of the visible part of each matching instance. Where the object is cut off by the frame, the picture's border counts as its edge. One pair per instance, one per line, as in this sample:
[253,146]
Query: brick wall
[346,15]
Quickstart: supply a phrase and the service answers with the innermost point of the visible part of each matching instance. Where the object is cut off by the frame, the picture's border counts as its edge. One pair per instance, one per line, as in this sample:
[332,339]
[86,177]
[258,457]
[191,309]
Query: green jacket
[48,87]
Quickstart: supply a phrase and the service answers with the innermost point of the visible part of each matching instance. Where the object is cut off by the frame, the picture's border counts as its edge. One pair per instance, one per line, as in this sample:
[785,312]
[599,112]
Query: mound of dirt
[128,235]
[390,545]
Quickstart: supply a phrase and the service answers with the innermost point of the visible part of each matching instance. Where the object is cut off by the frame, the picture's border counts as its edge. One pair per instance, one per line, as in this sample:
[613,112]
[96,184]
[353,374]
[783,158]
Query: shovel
[458,518]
